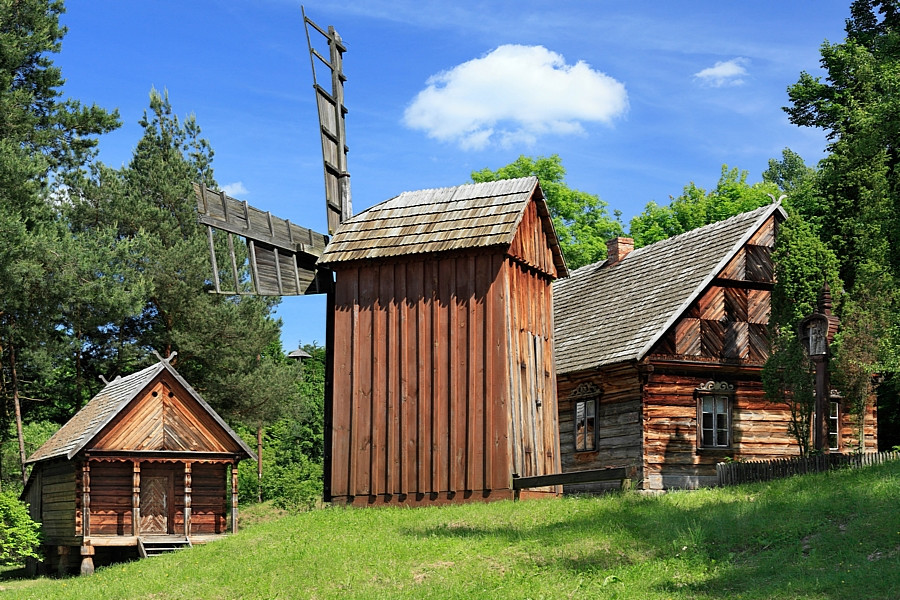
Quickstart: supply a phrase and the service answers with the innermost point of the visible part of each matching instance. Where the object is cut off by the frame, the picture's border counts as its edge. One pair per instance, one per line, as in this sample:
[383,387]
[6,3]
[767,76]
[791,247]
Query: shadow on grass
[833,535]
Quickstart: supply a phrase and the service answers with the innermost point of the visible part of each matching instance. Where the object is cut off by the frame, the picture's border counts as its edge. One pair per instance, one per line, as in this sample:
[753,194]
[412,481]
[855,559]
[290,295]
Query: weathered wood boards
[145,457]
[281,255]
[444,382]
[332,114]
[675,350]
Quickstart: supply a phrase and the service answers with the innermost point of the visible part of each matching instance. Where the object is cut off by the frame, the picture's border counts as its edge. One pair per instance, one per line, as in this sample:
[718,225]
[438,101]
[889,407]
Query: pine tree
[41,137]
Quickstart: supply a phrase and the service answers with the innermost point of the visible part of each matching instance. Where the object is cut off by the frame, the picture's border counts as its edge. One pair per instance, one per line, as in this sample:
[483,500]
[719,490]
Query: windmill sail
[282,256]
[331,123]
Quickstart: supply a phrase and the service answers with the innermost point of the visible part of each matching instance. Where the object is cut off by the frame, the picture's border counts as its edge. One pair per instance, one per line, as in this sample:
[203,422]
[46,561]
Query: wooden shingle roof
[476,215]
[604,315]
[78,432]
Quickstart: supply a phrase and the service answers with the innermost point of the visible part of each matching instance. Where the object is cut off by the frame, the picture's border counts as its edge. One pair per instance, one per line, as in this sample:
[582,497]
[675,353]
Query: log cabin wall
[209,509]
[420,382]
[51,497]
[111,493]
[619,432]
[674,456]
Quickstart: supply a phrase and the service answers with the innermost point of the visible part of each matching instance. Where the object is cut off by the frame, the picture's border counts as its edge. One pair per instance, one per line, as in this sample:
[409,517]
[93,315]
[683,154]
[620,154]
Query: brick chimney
[617,249]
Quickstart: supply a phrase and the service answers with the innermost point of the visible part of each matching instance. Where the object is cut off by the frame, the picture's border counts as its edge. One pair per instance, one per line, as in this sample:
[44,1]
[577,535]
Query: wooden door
[155,499]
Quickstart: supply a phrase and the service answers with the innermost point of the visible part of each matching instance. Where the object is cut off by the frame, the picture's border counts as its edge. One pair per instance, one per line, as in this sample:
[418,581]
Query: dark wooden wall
[111,497]
[619,424]
[51,499]
[208,492]
[533,420]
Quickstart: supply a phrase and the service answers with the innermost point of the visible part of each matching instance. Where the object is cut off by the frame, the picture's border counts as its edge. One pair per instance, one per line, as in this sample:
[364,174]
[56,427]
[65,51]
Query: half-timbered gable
[659,355]
[145,460]
[444,382]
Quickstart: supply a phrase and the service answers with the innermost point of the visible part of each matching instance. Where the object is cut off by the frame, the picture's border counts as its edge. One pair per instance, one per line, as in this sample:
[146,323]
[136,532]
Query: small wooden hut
[660,352]
[143,466]
[444,383]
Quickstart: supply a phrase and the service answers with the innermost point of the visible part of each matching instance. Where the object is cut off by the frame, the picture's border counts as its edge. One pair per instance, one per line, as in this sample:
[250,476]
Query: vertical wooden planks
[363,364]
[342,388]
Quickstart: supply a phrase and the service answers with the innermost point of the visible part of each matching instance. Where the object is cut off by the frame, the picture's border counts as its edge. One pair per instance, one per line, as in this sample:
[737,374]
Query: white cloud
[235,189]
[724,73]
[513,95]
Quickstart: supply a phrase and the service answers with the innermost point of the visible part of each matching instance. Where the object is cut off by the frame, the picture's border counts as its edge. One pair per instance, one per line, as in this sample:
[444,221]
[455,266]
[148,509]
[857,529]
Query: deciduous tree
[581,220]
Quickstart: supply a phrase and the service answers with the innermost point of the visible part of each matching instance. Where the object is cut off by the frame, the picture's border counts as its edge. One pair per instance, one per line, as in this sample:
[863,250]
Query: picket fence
[744,472]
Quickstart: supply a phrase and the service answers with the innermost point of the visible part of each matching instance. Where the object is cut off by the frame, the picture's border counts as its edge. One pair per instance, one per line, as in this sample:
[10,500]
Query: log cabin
[444,385]
[659,357]
[146,465]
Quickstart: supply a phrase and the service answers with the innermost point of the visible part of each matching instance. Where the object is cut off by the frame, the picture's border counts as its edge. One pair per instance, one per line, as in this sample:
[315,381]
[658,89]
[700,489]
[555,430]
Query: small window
[586,425]
[585,401]
[834,426]
[714,414]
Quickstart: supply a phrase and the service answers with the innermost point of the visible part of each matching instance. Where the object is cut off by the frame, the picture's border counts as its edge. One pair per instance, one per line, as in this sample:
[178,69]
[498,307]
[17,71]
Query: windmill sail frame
[282,255]
[332,126]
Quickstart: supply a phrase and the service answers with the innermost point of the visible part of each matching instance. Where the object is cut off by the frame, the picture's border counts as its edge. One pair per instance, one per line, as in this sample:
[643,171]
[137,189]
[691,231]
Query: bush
[19,534]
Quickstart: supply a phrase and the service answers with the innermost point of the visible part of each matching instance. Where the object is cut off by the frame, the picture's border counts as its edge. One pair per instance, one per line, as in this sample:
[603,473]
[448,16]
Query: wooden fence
[745,472]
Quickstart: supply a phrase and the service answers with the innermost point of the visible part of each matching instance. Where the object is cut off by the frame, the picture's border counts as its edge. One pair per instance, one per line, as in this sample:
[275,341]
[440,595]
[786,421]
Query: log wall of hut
[444,383]
[51,500]
[112,482]
[619,431]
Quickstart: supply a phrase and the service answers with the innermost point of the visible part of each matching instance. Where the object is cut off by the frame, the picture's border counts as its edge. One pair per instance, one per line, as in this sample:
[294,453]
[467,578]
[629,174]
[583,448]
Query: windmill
[282,255]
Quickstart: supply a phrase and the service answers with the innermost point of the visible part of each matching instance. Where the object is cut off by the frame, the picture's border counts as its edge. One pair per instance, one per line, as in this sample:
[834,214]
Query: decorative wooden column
[187,499]
[87,550]
[86,498]
[136,499]
[234,497]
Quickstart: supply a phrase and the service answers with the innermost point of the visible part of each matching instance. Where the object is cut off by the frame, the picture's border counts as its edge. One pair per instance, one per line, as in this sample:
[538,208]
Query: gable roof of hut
[87,423]
[474,215]
[608,314]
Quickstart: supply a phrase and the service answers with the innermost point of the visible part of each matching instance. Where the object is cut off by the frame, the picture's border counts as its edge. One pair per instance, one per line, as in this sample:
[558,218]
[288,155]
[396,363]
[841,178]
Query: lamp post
[816,334]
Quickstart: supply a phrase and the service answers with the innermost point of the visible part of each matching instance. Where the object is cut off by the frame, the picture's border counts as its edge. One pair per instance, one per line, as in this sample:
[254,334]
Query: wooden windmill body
[471,404]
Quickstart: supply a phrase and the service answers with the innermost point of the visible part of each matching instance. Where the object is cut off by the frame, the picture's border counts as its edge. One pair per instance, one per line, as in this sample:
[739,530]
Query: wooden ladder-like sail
[280,257]
[332,113]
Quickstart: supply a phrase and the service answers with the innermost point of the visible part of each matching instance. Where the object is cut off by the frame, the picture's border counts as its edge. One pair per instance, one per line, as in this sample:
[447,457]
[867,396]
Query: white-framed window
[834,425]
[714,400]
[586,405]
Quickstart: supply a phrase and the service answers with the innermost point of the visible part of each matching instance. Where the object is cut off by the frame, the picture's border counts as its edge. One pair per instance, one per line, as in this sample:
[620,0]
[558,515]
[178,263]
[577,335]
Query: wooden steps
[156,545]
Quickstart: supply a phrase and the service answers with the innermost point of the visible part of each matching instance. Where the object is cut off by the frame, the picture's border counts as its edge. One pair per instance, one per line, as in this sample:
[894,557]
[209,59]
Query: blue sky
[638,98]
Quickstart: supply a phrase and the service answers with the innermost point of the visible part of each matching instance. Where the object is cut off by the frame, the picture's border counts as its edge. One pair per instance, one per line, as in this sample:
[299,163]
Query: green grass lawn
[834,535]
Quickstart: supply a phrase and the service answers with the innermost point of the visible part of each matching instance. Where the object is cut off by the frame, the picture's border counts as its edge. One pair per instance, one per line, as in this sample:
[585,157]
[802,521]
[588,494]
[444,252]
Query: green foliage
[35,433]
[857,213]
[293,446]
[20,536]
[41,136]
[695,207]
[802,264]
[581,220]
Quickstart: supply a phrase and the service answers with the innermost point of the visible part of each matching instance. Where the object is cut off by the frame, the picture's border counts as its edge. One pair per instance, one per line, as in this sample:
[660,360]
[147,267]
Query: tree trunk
[259,434]
[18,407]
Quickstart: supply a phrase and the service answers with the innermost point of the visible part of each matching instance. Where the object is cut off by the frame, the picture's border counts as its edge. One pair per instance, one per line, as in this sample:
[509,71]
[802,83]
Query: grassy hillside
[825,536]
